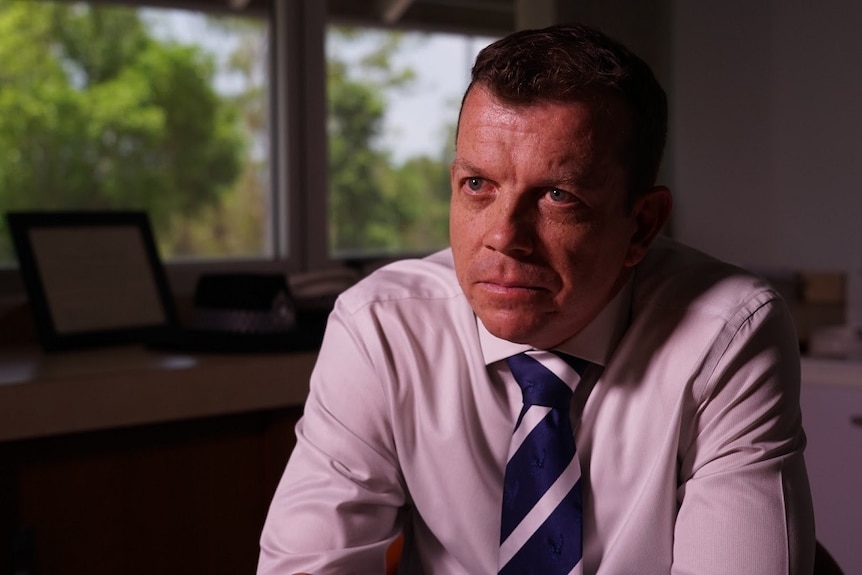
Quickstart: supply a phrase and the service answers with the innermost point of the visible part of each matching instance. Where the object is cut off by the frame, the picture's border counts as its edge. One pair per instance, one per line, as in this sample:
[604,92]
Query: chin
[540,330]
[515,329]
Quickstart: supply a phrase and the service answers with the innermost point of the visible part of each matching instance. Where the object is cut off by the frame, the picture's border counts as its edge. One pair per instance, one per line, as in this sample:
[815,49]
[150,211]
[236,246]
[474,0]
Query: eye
[474,184]
[558,196]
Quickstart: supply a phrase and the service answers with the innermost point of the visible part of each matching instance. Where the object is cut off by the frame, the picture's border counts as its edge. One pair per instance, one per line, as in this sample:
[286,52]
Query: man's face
[540,231]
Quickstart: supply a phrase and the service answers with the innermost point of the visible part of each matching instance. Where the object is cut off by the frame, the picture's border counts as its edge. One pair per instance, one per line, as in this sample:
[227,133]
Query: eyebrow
[569,180]
[466,166]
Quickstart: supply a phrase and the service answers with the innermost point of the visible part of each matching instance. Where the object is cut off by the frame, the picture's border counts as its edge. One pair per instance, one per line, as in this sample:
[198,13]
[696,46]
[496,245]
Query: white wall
[766,131]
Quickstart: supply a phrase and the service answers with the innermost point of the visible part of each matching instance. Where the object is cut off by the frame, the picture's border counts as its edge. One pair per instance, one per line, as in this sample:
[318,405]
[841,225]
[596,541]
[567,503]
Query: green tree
[241,223]
[376,206]
[97,114]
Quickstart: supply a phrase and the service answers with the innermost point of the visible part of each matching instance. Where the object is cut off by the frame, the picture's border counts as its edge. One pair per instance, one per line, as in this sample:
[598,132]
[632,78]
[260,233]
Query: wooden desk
[49,394]
[124,460]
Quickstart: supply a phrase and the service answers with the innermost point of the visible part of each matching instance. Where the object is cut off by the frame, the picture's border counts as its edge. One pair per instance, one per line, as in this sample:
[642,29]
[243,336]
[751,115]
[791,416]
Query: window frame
[298,159]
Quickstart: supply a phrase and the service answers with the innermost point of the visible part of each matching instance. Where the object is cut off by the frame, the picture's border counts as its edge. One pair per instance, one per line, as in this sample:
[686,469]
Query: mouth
[511,284]
[510,290]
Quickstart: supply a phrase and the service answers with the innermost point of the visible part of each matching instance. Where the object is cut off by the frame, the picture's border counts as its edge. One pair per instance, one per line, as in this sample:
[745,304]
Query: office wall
[766,158]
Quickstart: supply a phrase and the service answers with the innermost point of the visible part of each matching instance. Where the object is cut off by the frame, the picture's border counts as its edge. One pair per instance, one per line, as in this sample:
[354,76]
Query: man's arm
[745,501]
[336,507]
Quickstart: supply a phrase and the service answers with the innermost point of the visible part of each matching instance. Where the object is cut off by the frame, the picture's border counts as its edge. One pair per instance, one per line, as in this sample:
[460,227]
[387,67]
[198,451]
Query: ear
[650,213]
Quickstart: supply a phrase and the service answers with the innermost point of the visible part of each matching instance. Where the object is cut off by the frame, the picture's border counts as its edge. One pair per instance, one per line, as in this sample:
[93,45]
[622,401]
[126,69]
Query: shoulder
[690,310]
[410,280]
[696,320]
[677,278]
[408,320]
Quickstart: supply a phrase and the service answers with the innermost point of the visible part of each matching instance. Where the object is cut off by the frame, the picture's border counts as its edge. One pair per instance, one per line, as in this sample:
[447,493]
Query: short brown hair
[568,62]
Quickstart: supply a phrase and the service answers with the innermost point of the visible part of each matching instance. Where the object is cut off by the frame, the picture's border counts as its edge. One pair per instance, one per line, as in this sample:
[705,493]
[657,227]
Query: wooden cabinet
[832,416]
[128,461]
[173,498]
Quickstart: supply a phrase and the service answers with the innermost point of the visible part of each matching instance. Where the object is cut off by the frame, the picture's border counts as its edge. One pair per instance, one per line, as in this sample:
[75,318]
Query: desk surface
[49,394]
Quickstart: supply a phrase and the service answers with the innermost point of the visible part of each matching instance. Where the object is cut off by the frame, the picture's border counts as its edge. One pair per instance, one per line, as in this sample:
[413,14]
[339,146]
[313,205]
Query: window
[258,134]
[393,99]
[121,107]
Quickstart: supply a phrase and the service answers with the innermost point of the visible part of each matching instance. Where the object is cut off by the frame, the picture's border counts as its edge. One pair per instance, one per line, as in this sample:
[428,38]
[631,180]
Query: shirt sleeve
[336,509]
[745,504]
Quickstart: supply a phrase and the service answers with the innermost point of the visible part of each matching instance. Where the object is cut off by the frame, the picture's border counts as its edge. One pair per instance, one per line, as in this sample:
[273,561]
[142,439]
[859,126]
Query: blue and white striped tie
[541,529]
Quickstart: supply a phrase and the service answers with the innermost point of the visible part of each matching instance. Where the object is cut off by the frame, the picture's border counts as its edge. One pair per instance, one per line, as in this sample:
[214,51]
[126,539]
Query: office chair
[824,563]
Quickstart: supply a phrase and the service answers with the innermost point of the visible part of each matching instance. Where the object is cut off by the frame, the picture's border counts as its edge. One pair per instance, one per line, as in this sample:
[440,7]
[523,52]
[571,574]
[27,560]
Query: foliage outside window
[109,108]
[389,171]
[113,107]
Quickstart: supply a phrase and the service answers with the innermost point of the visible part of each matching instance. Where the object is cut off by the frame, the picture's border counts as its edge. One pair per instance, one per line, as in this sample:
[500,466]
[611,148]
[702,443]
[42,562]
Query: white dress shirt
[689,436]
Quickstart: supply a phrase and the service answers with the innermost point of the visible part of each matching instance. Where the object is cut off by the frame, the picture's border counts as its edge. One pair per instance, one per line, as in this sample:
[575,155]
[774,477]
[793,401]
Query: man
[685,409]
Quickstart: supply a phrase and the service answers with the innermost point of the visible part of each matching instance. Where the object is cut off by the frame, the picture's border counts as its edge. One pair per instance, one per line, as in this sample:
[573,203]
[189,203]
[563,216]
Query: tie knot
[545,378]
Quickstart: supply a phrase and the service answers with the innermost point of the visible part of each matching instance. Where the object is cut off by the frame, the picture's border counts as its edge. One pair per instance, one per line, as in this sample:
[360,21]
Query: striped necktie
[541,529]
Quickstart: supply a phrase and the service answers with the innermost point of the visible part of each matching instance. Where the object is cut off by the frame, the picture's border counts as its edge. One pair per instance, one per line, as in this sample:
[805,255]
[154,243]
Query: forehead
[591,130]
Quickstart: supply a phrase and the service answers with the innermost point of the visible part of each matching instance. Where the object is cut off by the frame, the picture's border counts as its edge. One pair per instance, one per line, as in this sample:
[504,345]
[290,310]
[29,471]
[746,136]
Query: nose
[510,227]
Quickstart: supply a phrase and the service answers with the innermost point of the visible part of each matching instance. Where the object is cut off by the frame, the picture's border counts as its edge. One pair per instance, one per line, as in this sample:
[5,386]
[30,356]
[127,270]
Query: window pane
[393,100]
[107,107]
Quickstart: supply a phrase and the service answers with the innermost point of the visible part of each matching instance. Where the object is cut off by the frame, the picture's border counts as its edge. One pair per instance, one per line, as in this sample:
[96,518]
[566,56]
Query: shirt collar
[594,343]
